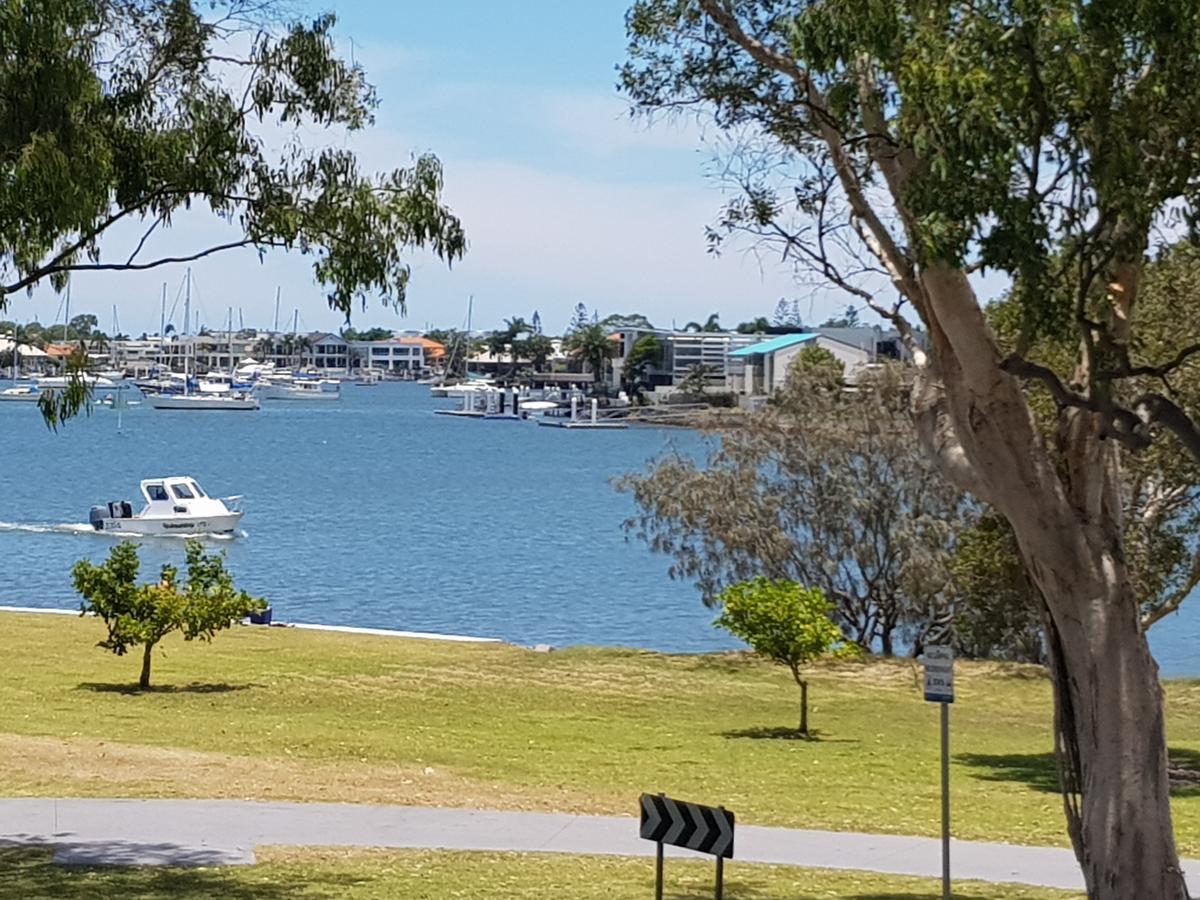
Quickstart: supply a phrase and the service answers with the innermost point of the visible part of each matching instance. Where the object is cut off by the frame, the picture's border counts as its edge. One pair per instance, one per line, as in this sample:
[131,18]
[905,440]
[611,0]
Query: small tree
[783,621]
[146,613]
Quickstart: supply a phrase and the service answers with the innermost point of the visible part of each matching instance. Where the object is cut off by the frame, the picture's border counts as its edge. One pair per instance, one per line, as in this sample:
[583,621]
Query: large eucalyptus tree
[917,142]
[116,111]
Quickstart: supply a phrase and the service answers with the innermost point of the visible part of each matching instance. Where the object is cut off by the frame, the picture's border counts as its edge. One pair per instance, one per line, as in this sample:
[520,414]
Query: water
[371,511]
[374,512]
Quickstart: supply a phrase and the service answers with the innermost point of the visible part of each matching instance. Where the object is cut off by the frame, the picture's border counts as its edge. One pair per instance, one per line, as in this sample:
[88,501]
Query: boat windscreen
[182,492]
[197,489]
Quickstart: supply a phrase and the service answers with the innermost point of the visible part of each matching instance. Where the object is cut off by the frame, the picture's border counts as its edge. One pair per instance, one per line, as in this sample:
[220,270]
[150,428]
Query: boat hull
[151,525]
[282,392]
[199,401]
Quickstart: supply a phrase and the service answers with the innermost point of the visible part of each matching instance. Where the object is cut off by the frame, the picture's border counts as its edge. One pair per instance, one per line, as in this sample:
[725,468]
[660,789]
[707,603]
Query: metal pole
[945,801]
[720,877]
[658,871]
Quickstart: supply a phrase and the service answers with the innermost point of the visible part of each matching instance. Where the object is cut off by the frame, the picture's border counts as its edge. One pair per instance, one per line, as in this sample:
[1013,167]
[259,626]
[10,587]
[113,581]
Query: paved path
[209,832]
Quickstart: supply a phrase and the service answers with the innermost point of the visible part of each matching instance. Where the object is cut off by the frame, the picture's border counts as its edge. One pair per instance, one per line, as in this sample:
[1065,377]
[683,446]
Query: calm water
[372,511]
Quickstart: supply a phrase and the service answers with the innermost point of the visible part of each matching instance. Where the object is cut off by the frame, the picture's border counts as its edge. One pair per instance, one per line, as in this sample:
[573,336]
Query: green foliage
[754,326]
[113,111]
[787,314]
[695,381]
[646,351]
[579,319]
[592,344]
[784,622]
[825,487]
[63,403]
[537,348]
[143,614]
[711,324]
[847,319]
[997,610]
[371,334]
[817,369]
[618,321]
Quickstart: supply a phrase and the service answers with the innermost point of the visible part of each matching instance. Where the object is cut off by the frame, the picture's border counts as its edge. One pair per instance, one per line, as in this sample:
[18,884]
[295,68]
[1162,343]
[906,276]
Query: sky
[564,198]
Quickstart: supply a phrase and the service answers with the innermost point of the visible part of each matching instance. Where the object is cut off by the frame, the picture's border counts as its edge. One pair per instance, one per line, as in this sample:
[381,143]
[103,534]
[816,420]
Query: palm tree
[301,344]
[592,344]
[538,348]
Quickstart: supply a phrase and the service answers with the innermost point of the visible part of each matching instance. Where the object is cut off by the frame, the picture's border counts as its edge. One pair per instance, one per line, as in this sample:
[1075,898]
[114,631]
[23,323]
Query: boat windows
[183,492]
[156,492]
[195,487]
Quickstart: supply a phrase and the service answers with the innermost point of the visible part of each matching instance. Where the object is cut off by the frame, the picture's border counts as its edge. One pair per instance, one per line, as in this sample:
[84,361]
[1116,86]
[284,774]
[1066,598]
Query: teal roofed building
[759,370]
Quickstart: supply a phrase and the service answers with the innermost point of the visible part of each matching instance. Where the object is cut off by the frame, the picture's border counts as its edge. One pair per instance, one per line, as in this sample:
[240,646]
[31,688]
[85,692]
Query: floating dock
[580,423]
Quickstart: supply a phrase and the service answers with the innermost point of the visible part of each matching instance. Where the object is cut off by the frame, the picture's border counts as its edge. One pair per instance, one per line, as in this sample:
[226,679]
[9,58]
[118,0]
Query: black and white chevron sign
[707,829]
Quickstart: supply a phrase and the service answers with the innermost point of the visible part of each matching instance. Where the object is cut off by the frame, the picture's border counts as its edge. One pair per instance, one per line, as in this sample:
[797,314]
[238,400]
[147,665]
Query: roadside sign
[939,674]
[707,829]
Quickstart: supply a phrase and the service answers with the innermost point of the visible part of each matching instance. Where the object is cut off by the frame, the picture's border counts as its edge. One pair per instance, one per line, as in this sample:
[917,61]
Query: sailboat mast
[112,347]
[275,330]
[230,337]
[187,315]
[162,326]
[67,313]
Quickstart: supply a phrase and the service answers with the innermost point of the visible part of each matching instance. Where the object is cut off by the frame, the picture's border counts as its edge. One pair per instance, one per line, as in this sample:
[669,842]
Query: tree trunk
[144,681]
[1110,737]
[804,708]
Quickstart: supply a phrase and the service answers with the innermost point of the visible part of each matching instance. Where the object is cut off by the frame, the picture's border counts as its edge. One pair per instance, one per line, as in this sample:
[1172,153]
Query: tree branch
[1155,408]
[884,244]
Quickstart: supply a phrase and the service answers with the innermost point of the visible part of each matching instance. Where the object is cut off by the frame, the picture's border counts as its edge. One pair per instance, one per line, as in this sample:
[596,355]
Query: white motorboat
[298,389]
[231,400]
[174,505]
[90,379]
[22,393]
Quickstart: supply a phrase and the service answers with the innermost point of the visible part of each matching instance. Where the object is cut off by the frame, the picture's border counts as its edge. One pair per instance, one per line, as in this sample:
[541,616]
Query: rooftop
[776,343]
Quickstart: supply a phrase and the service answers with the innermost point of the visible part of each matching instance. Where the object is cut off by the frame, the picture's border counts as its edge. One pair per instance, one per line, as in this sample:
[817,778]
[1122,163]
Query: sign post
[708,829]
[939,688]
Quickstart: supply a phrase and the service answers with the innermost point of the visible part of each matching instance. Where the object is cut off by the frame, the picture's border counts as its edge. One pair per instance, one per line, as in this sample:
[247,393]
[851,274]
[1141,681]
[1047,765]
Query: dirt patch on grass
[86,767]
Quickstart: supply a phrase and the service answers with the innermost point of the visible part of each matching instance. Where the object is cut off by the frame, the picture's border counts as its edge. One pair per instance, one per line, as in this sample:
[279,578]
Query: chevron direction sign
[707,829]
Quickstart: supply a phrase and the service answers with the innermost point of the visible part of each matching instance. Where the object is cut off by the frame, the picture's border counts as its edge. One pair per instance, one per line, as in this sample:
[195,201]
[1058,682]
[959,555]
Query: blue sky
[563,197]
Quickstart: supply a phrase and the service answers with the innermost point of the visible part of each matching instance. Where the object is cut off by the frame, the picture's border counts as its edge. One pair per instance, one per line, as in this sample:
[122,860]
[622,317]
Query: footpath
[225,832]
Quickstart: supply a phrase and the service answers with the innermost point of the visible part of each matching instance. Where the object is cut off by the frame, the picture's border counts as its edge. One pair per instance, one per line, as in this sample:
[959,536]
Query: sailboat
[203,400]
[19,393]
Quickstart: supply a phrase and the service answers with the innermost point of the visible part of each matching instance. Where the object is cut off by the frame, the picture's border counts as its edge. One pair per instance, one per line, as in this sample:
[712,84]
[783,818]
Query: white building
[406,354]
[761,369]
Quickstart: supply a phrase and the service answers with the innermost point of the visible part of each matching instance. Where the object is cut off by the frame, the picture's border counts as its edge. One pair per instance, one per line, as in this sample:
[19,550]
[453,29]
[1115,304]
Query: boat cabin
[166,496]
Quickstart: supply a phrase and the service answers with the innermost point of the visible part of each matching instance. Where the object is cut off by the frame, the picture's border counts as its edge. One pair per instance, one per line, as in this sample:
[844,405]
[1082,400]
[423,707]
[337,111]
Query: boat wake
[85,528]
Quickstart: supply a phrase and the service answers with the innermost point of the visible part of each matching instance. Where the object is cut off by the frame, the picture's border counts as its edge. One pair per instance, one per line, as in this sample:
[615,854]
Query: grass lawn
[422,875]
[277,713]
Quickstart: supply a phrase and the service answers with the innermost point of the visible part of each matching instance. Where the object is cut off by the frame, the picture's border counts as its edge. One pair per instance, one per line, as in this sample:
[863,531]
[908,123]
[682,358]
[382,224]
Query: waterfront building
[761,369]
[403,354]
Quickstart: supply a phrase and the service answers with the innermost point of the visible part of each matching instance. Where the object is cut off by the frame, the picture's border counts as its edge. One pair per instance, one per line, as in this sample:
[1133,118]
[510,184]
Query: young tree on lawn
[920,141]
[143,614]
[784,622]
[120,112]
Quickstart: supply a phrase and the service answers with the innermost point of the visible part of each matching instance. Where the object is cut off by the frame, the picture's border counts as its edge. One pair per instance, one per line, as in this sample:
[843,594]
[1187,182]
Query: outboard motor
[97,516]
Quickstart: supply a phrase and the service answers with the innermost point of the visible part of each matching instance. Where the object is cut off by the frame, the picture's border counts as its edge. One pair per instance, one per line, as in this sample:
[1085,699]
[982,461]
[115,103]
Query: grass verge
[274,713]
[425,875]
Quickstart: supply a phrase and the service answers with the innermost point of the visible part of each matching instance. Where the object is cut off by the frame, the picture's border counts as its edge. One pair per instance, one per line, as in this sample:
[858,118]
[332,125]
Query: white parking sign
[939,674]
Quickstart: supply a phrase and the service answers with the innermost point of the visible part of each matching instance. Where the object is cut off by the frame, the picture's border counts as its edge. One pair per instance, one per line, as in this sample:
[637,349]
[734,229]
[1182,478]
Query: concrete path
[213,832]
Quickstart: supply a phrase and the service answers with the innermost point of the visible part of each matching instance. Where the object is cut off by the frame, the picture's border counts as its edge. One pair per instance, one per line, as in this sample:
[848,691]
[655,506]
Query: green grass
[424,875]
[289,714]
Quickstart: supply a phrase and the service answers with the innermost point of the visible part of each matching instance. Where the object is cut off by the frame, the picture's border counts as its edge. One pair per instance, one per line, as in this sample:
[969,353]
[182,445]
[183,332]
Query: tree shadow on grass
[193,688]
[1038,770]
[30,872]
[781,733]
